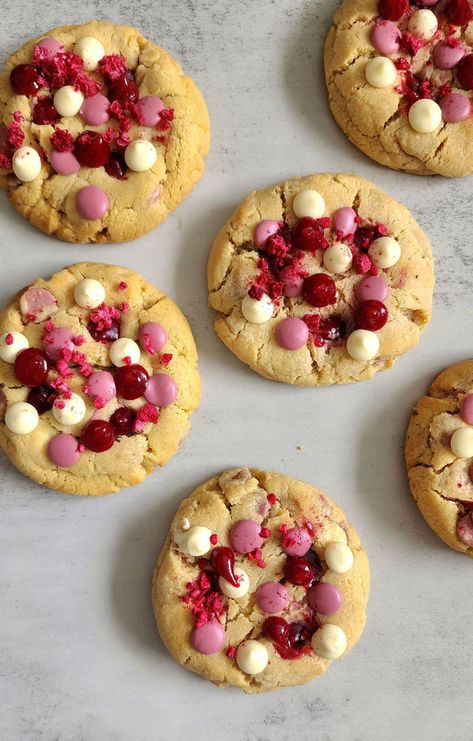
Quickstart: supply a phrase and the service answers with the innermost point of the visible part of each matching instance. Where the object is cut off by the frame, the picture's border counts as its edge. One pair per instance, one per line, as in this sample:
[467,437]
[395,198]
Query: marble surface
[80,659]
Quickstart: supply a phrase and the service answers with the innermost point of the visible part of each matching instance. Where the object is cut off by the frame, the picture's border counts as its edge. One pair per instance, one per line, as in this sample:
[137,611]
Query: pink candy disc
[64,163]
[50,46]
[272,597]
[466,409]
[101,384]
[344,221]
[151,107]
[63,450]
[446,56]
[245,536]
[37,304]
[152,337]
[263,230]
[324,598]
[386,37]
[296,541]
[292,284]
[56,340]
[209,638]
[161,390]
[465,529]
[455,107]
[372,287]
[292,333]
[94,110]
[91,202]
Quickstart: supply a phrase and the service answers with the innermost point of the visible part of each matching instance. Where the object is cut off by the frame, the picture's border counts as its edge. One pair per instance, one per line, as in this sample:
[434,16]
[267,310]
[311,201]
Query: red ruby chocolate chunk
[44,112]
[105,334]
[223,561]
[131,381]
[308,235]
[319,290]
[371,315]
[465,72]
[98,436]
[392,10]
[124,89]
[116,167]
[459,12]
[25,79]
[92,149]
[277,630]
[300,572]
[298,635]
[332,328]
[288,638]
[123,420]
[41,397]
[31,367]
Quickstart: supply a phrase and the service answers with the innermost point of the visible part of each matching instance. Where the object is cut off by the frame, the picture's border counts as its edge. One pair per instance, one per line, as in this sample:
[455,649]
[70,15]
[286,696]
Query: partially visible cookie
[400,80]
[439,456]
[98,378]
[102,134]
[319,280]
[261,583]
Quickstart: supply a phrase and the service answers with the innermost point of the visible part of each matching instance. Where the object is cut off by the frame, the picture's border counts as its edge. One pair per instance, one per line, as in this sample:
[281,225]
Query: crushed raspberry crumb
[205,604]
[86,85]
[127,360]
[124,307]
[361,263]
[5,160]
[402,64]
[410,43]
[265,532]
[103,316]
[112,66]
[148,413]
[18,116]
[231,652]
[165,359]
[460,486]
[272,498]
[122,286]
[78,340]
[166,117]
[257,557]
[99,402]
[59,404]
[62,140]
[9,339]
[309,527]
[214,539]
[15,135]
[160,139]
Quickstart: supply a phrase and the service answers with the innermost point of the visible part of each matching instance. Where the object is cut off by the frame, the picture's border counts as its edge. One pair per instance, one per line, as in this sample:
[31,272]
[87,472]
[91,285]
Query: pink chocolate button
[446,56]
[386,37]
[272,597]
[344,221]
[296,541]
[49,46]
[91,202]
[372,287]
[56,340]
[161,390]
[263,230]
[324,598]
[292,283]
[465,529]
[152,337]
[151,107]
[245,536]
[101,384]
[64,163]
[209,638]
[63,450]
[292,333]
[94,110]
[455,107]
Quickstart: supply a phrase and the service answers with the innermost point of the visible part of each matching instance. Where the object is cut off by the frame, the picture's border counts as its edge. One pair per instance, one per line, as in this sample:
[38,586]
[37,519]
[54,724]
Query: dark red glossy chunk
[331,328]
[91,149]
[459,12]
[307,234]
[41,397]
[122,421]
[371,315]
[116,167]
[107,334]
[31,367]
[277,630]
[465,72]
[223,561]
[319,290]
[300,572]
[392,10]
[124,89]
[131,381]
[44,112]
[24,79]
[98,436]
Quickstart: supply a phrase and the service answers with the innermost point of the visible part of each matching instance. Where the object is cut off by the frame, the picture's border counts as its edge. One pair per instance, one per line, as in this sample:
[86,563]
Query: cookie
[98,377]
[102,134]
[399,77]
[261,583]
[320,280]
[439,456]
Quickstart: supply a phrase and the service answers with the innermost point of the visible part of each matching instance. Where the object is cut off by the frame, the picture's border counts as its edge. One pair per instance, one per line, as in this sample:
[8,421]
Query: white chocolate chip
[423,23]
[90,50]
[69,411]
[362,344]
[329,641]
[89,293]
[185,523]
[140,155]
[11,343]
[425,116]
[257,312]
[21,418]
[308,203]
[338,557]
[385,252]
[381,72]
[252,657]
[68,101]
[235,592]
[26,164]
[461,442]
[194,542]
[124,348]
[338,258]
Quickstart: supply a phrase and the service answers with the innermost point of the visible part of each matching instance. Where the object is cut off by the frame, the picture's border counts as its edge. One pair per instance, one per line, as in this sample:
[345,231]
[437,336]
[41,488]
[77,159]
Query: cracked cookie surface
[274,504]
[234,269]
[141,200]
[47,316]
[439,478]
[375,119]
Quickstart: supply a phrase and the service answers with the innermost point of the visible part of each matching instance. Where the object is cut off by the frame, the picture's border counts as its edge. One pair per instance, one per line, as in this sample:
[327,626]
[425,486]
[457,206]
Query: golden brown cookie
[399,78]
[103,135]
[98,378]
[319,280]
[439,456]
[261,583]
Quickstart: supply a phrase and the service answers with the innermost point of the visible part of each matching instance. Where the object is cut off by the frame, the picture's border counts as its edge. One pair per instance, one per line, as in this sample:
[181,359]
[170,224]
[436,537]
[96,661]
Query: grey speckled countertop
[80,659]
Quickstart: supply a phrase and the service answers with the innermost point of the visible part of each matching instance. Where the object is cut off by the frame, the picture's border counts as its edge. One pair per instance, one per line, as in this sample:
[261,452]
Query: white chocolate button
[26,164]
[257,312]
[69,411]
[124,348]
[338,258]
[362,344]
[338,557]
[461,442]
[423,23]
[329,641]
[308,203]
[21,418]
[194,542]
[235,592]
[385,252]
[89,293]
[11,343]
[185,523]
[91,51]
[425,116]
[68,101]
[140,155]
[252,657]
[381,72]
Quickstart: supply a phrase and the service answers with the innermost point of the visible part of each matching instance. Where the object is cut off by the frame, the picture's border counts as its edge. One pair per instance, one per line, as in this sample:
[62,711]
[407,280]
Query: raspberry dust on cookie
[98,378]
[261,583]
[101,134]
[320,280]
[400,82]
[439,456]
